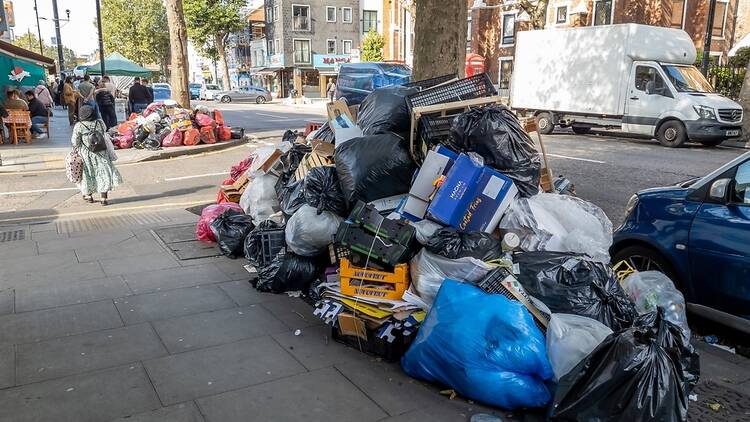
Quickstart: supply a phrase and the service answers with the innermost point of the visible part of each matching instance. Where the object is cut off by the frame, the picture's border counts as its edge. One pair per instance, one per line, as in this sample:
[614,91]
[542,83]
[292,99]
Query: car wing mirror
[718,191]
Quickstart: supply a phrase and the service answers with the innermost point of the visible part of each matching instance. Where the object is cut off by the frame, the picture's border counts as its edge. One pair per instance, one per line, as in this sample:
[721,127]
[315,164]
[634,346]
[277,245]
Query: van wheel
[646,258]
[672,134]
[712,143]
[545,123]
[581,130]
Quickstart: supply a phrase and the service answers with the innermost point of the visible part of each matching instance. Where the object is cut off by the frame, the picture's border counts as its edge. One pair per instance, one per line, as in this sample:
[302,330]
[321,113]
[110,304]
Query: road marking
[272,115]
[196,176]
[111,210]
[576,158]
[20,192]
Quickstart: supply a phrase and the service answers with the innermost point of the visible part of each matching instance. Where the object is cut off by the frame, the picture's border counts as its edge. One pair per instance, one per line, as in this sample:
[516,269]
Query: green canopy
[117,65]
[18,72]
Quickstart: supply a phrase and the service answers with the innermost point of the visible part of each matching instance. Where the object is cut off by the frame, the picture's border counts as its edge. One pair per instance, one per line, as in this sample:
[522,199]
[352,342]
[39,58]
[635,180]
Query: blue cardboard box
[449,204]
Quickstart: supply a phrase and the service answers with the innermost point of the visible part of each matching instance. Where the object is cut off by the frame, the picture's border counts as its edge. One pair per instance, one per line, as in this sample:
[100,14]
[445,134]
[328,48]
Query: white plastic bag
[652,289]
[570,338]
[309,233]
[259,200]
[560,223]
[428,270]
[425,230]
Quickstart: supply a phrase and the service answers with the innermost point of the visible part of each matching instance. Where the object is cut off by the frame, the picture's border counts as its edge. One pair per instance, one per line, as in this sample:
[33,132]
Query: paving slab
[315,349]
[84,240]
[172,303]
[41,325]
[183,412]
[48,235]
[7,366]
[323,396]
[7,301]
[137,264]
[294,312]
[173,278]
[204,372]
[234,268]
[63,273]
[91,397]
[127,248]
[17,249]
[36,263]
[58,294]
[243,293]
[218,327]
[86,352]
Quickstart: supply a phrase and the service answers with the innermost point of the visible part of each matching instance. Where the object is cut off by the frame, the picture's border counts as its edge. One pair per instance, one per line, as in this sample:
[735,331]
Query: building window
[346,46]
[300,18]
[301,51]
[509,28]
[269,14]
[271,50]
[603,12]
[276,13]
[468,34]
[346,14]
[369,21]
[331,46]
[678,14]
[330,13]
[277,46]
[561,15]
[720,17]
[506,69]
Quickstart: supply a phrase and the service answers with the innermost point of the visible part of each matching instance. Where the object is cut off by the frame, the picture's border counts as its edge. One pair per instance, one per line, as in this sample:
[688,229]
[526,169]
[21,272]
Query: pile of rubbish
[165,124]
[457,255]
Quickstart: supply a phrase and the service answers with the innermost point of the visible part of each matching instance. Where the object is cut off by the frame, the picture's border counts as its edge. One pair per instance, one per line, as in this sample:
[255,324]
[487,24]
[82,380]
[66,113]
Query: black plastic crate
[271,242]
[429,83]
[434,130]
[375,346]
[476,86]
[370,219]
[364,248]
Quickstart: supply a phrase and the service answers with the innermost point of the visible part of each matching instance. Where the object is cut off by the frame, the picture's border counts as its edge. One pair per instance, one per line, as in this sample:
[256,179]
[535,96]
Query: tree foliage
[372,47]
[137,29]
[741,57]
[207,19]
[537,11]
[30,42]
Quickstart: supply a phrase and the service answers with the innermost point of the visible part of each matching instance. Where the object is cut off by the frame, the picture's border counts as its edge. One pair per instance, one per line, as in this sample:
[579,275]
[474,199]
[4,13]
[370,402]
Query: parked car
[162,91]
[195,91]
[208,91]
[698,233]
[244,93]
[356,80]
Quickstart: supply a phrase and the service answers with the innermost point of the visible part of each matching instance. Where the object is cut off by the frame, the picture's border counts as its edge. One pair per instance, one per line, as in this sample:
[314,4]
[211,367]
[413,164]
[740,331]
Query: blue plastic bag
[484,346]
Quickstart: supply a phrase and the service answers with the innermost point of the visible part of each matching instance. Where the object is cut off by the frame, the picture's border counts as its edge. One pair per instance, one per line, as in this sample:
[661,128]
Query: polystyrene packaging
[652,289]
[259,199]
[570,338]
[560,223]
[309,233]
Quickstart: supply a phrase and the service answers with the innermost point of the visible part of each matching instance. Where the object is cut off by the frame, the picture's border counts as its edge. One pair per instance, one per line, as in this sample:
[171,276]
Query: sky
[79,34]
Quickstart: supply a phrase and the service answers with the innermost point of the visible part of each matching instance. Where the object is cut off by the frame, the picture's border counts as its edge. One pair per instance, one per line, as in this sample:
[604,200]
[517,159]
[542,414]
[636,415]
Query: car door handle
[635,98]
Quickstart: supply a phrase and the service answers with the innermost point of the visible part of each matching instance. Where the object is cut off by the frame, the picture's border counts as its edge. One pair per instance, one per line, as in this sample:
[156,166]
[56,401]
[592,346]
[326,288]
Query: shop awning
[268,70]
[116,64]
[21,67]
[328,71]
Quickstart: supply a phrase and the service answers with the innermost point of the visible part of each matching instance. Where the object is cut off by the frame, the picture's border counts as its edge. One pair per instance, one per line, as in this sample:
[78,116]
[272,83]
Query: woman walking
[70,98]
[106,103]
[99,173]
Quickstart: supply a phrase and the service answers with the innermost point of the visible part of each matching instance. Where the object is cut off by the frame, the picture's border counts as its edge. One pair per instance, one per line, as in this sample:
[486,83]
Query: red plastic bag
[204,120]
[218,117]
[133,116]
[203,228]
[191,137]
[208,135]
[220,196]
[125,127]
[240,168]
[174,139]
[224,133]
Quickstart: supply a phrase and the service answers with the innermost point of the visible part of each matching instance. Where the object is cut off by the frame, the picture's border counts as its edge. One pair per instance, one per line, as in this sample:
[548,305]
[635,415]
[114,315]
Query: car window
[742,184]
[645,75]
[212,87]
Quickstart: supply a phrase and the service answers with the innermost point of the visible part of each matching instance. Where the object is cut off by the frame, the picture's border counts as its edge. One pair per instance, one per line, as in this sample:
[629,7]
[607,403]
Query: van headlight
[705,112]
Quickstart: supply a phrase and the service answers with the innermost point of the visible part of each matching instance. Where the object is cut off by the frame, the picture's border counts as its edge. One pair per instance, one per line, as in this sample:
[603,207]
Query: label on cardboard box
[493,194]
[451,200]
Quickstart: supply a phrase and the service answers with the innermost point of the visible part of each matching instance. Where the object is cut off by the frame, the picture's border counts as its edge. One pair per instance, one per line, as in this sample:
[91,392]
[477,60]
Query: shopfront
[20,68]
[327,66]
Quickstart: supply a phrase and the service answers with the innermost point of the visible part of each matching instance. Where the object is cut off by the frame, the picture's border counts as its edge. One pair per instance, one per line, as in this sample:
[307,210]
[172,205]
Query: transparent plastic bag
[652,289]
[309,233]
[259,199]
[560,223]
[570,338]
[425,230]
[429,270]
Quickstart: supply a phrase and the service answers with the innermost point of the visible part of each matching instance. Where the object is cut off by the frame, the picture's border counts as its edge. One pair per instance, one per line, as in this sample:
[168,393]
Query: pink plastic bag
[173,139]
[203,228]
[204,120]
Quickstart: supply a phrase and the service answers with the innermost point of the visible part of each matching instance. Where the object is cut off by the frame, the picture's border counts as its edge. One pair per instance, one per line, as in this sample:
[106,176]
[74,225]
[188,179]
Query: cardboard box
[437,163]
[267,161]
[321,155]
[452,198]
[414,207]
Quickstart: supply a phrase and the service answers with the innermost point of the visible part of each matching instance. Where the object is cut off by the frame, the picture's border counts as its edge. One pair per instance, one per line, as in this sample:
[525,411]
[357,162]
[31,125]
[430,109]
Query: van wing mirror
[718,191]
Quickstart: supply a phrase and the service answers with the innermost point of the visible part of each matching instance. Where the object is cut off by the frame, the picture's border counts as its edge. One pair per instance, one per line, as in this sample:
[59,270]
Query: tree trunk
[178,49]
[439,49]
[744,101]
[222,50]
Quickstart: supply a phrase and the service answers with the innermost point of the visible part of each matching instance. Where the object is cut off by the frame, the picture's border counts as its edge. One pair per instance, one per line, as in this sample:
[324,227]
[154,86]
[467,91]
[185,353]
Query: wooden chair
[19,125]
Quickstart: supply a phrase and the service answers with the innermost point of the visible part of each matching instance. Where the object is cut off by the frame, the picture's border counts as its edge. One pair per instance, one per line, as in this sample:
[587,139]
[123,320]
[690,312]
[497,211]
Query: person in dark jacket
[39,114]
[106,103]
[138,97]
[150,90]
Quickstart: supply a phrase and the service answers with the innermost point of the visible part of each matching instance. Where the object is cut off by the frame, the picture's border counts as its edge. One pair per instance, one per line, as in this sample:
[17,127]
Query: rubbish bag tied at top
[574,284]
[484,346]
[495,133]
[309,233]
[452,244]
[644,373]
[230,230]
[385,110]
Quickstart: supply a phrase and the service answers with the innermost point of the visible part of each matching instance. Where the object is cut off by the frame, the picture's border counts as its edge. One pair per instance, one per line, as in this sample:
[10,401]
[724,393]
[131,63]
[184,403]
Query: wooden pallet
[545,180]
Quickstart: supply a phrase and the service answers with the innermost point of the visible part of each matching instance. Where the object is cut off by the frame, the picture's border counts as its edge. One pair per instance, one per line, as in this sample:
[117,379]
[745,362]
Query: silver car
[244,93]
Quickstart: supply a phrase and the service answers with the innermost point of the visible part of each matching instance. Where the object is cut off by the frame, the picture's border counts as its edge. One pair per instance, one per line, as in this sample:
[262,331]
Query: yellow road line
[111,210]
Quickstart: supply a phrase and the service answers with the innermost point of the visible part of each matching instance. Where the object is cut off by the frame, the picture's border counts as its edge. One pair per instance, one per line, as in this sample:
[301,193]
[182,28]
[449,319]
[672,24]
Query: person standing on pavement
[14,101]
[150,90]
[138,97]
[86,89]
[41,92]
[61,92]
[70,98]
[99,173]
[331,90]
[110,86]
[39,114]
[106,102]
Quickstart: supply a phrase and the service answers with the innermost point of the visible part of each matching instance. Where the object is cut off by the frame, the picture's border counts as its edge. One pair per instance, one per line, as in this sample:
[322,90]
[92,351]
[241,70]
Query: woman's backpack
[97,142]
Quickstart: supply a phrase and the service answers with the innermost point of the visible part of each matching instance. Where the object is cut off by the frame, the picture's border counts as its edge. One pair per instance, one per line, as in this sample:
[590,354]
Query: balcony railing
[301,23]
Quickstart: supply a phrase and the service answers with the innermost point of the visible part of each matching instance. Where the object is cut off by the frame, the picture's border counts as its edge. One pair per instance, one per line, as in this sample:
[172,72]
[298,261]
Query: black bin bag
[325,134]
[287,273]
[292,197]
[264,242]
[452,244]
[574,284]
[385,110]
[644,373]
[373,167]
[231,229]
[495,133]
[323,191]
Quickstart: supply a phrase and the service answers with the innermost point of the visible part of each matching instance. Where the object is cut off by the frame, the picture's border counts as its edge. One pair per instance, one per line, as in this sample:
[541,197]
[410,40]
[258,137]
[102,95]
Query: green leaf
[372,47]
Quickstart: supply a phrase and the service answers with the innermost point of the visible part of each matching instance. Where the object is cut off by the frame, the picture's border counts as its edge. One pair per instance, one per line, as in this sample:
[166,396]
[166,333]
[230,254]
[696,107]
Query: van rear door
[648,95]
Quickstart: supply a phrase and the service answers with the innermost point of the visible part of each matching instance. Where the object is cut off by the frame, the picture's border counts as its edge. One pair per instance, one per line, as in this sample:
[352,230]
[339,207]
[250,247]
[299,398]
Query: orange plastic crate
[364,282]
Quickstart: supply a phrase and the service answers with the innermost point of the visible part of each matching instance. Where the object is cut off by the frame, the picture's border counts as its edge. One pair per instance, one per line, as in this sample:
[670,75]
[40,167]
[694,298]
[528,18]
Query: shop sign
[276,60]
[18,74]
[330,60]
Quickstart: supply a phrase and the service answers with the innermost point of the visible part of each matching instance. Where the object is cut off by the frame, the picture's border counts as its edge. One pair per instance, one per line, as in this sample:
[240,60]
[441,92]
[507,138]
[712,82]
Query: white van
[635,77]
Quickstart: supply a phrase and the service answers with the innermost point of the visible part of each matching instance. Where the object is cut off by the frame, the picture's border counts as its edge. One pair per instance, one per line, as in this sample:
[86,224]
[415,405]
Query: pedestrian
[70,98]
[331,90]
[55,91]
[99,173]
[138,97]
[86,89]
[14,101]
[39,114]
[106,102]
[110,86]
[61,92]
[41,92]
[150,90]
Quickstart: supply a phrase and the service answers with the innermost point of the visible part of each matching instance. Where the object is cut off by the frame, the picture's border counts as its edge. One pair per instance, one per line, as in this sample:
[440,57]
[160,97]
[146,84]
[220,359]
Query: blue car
[162,91]
[356,80]
[195,91]
[698,233]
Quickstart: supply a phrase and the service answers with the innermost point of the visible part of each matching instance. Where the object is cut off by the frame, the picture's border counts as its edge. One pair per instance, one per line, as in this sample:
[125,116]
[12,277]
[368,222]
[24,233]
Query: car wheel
[712,143]
[545,122]
[672,134]
[226,99]
[646,258]
[581,130]
[260,100]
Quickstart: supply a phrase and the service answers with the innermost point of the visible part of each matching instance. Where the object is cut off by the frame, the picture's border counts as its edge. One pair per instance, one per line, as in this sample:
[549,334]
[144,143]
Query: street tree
[537,11]
[372,47]
[137,29]
[439,38]
[744,101]
[209,24]
[178,52]
[30,42]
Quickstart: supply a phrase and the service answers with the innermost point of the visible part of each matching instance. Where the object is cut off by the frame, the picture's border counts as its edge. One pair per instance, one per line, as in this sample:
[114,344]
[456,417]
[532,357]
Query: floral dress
[99,173]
